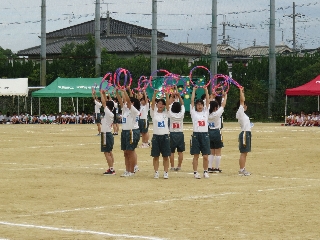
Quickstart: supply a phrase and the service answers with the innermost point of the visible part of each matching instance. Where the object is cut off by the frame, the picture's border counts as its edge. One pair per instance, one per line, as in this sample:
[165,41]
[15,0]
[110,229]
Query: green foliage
[79,61]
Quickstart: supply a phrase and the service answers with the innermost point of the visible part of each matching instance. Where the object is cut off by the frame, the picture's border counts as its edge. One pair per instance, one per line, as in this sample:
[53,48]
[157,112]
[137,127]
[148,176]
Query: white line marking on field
[79,231]
[187,198]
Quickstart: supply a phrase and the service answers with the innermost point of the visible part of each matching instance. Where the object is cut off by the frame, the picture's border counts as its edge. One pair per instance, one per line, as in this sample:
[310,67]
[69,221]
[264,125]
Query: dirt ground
[52,187]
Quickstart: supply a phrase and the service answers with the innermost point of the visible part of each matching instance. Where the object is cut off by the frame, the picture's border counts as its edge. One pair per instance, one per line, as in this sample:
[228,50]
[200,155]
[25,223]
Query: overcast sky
[182,20]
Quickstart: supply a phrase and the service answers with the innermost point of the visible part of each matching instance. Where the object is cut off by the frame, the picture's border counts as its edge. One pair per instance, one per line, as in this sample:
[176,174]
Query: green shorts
[177,142]
[200,142]
[143,125]
[216,139]
[97,117]
[245,142]
[160,144]
[130,139]
[107,142]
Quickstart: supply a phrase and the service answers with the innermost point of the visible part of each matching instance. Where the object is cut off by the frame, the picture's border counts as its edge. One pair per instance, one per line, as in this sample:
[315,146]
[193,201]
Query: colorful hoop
[193,83]
[157,71]
[116,78]
[108,79]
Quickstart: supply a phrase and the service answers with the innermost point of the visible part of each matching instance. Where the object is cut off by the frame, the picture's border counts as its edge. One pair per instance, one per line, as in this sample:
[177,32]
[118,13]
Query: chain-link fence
[47,105]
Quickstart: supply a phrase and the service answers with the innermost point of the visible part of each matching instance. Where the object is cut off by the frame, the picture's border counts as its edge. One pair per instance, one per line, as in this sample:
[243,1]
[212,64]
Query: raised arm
[119,98]
[153,101]
[167,102]
[207,97]
[193,96]
[224,102]
[242,98]
[180,98]
[103,98]
[126,98]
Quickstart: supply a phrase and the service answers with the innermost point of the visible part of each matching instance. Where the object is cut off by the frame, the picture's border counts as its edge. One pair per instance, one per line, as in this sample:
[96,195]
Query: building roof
[264,50]
[116,28]
[223,49]
[116,44]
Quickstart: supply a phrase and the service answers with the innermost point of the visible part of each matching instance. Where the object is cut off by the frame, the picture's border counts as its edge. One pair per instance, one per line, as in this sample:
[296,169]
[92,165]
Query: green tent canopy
[70,87]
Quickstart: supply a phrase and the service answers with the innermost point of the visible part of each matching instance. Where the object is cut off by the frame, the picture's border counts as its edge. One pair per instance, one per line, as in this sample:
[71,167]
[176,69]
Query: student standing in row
[107,140]
[143,121]
[97,106]
[160,138]
[215,135]
[200,137]
[129,136]
[245,134]
[176,115]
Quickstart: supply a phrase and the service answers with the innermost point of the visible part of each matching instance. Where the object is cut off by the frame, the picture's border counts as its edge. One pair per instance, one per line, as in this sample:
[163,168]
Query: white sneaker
[156,175]
[136,169]
[165,175]
[197,176]
[205,175]
[124,174]
[244,173]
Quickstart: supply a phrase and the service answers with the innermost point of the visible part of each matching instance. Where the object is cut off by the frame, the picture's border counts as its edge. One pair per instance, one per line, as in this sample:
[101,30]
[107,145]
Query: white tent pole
[59,104]
[77,106]
[39,108]
[285,110]
[31,107]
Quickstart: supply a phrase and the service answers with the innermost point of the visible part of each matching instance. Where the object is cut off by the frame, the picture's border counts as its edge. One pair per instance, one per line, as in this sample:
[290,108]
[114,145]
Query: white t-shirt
[107,120]
[97,106]
[243,119]
[52,118]
[160,122]
[176,120]
[43,117]
[214,119]
[130,118]
[144,111]
[199,119]
[1,117]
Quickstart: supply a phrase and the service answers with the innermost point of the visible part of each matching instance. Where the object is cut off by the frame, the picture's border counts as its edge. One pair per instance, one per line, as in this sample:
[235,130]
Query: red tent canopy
[311,88]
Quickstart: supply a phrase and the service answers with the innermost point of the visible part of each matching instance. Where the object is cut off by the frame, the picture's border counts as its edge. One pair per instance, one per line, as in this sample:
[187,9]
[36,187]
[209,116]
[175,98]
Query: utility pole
[97,40]
[43,62]
[224,24]
[154,39]
[214,39]
[294,27]
[272,58]
[294,15]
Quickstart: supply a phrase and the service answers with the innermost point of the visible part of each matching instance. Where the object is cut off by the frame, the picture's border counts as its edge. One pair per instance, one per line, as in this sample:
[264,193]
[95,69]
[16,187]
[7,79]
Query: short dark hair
[162,100]
[199,101]
[110,105]
[213,105]
[176,107]
[136,103]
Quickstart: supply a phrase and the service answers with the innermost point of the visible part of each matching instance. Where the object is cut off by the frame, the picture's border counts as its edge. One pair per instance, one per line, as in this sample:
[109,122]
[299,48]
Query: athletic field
[52,187]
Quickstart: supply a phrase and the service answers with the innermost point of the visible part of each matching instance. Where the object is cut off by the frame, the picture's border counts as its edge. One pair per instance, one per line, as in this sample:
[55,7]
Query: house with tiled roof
[225,52]
[263,51]
[117,37]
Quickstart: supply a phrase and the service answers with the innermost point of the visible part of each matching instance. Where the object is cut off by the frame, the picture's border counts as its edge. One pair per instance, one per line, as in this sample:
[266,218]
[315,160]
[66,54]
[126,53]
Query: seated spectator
[89,118]
[21,117]
[83,118]
[34,119]
[72,118]
[43,118]
[65,118]
[7,118]
[51,118]
[1,117]
[15,118]
[59,118]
